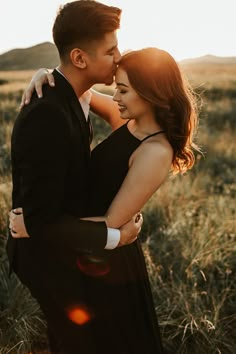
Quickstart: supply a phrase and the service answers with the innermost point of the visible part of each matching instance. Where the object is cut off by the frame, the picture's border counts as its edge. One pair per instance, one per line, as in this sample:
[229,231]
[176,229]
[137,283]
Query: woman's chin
[123,115]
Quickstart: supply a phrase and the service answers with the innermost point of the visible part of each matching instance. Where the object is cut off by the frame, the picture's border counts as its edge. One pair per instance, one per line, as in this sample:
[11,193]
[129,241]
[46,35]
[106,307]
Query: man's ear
[78,58]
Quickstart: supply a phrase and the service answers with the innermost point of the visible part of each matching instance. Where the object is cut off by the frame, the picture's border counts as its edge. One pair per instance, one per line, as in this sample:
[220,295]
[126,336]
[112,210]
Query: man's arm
[41,150]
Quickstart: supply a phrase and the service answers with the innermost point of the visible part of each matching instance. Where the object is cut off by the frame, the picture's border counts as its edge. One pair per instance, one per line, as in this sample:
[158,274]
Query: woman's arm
[149,166]
[101,104]
[104,106]
[41,77]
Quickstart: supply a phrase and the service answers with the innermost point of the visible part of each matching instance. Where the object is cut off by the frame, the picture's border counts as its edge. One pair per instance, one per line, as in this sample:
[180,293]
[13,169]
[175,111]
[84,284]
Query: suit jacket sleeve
[41,146]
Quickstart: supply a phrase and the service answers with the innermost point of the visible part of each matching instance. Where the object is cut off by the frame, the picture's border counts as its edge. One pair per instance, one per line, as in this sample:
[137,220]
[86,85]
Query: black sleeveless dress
[118,290]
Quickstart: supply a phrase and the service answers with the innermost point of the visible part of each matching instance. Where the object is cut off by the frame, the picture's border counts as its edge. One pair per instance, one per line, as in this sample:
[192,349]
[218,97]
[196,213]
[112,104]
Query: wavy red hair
[156,77]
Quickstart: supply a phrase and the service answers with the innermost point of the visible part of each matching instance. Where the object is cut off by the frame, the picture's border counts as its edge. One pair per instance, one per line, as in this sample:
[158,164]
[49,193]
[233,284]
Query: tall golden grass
[188,235]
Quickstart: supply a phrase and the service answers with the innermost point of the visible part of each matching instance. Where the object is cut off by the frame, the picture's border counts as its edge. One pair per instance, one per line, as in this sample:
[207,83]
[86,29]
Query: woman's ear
[78,59]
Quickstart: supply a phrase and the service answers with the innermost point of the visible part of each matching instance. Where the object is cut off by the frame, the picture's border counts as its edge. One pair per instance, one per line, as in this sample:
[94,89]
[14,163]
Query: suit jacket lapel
[75,105]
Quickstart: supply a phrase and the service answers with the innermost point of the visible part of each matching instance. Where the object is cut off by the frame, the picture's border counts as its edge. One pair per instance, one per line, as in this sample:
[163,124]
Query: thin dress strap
[149,136]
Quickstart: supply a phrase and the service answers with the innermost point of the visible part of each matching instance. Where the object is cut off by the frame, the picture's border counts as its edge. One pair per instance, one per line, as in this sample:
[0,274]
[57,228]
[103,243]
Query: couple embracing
[75,243]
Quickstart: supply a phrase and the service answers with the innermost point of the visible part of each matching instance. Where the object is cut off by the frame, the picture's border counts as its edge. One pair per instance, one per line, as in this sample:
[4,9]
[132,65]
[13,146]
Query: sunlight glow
[79,315]
[185,28]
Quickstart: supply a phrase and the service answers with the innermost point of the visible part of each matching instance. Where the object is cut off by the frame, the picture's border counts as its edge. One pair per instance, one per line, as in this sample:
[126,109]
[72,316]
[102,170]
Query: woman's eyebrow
[121,84]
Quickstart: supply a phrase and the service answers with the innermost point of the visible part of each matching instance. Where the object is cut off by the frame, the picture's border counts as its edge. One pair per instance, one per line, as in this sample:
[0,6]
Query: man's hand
[129,232]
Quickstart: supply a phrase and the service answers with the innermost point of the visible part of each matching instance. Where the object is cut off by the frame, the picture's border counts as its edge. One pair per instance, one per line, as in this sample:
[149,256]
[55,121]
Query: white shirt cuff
[113,238]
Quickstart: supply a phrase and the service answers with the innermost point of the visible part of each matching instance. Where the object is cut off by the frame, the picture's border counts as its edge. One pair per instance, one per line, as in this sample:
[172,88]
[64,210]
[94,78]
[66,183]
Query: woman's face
[131,105]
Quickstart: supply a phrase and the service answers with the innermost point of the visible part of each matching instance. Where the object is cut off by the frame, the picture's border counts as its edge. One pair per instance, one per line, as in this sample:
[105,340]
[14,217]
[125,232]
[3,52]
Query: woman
[154,124]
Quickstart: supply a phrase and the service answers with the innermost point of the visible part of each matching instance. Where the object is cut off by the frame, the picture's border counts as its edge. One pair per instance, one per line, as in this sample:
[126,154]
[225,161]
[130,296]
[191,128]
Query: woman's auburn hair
[156,77]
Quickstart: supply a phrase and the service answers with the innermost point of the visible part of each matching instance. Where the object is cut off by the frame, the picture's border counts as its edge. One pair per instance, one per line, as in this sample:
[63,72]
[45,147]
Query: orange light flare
[79,315]
[93,266]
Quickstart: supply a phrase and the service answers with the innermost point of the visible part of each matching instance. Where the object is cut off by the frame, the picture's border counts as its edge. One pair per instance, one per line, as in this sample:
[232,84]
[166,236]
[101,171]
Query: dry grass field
[188,235]
[211,76]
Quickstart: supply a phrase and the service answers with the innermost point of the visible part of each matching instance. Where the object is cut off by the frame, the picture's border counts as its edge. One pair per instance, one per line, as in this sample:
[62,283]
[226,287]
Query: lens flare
[79,315]
[93,266]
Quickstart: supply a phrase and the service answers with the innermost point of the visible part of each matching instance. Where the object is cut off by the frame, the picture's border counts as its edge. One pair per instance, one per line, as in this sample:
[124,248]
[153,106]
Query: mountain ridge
[209,59]
[45,55]
[40,55]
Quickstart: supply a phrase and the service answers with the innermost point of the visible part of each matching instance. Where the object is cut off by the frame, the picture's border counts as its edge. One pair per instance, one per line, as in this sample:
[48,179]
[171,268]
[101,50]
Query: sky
[185,28]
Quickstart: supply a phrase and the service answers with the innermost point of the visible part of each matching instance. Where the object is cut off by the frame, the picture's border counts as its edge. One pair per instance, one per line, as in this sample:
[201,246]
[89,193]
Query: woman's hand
[16,224]
[41,77]
[101,104]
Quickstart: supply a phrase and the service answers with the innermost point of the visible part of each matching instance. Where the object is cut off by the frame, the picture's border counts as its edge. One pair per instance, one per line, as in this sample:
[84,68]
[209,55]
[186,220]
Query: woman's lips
[122,108]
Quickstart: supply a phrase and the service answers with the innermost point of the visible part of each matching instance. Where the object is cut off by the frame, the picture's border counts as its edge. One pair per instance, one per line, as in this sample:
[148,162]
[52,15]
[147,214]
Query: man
[50,170]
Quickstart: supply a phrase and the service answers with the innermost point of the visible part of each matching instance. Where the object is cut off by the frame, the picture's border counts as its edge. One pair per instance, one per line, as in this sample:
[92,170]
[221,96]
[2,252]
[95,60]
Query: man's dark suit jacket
[50,169]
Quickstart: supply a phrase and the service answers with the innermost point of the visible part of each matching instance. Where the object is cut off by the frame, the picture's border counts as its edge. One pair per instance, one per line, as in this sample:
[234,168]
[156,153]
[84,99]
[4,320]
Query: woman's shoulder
[155,150]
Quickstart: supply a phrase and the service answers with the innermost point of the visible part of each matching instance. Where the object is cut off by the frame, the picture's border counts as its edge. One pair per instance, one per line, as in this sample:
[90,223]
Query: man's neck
[78,82]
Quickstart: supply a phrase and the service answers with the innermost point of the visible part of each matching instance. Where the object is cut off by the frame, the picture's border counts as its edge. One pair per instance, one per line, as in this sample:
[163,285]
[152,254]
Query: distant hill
[211,72]
[41,55]
[45,55]
[210,59]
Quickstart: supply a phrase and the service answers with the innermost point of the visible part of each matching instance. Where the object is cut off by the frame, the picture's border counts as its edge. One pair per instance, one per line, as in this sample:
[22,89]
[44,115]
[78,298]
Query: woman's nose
[116,96]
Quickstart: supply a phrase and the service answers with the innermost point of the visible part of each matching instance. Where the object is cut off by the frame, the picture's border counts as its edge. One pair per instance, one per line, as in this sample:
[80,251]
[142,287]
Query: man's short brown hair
[79,23]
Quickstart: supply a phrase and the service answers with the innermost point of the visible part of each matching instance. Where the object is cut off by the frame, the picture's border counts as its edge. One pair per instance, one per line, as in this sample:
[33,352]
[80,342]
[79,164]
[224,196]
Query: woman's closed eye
[121,91]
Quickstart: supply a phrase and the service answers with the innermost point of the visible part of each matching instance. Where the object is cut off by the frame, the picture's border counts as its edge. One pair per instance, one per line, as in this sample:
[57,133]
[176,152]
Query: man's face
[103,59]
